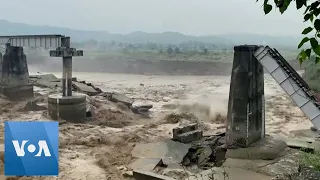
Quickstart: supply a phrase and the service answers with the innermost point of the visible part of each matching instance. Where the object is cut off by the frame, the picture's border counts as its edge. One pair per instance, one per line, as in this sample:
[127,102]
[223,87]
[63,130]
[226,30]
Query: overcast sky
[196,17]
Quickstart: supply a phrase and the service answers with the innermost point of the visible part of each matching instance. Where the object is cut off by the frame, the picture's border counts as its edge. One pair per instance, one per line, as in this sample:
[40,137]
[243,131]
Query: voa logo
[42,146]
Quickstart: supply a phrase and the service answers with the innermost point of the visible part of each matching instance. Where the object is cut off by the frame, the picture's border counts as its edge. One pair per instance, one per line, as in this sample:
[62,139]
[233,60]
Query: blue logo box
[31,149]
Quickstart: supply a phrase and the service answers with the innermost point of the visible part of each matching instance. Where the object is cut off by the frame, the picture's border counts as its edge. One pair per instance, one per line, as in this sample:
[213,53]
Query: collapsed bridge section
[291,82]
[246,113]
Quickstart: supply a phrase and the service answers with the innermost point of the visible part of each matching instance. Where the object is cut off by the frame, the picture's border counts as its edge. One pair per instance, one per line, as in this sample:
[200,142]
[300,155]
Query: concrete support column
[64,76]
[245,119]
[15,75]
[67,76]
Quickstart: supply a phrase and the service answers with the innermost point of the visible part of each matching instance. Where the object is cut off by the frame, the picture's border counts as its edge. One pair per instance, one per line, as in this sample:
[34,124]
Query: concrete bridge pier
[14,74]
[245,130]
[68,106]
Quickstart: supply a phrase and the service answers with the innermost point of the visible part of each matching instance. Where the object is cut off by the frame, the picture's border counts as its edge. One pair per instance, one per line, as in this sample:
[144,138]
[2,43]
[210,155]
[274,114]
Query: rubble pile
[205,152]
[51,81]
[86,88]
[137,108]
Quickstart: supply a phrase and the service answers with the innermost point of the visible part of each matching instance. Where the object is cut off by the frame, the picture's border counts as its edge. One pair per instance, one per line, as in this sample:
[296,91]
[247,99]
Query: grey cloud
[196,17]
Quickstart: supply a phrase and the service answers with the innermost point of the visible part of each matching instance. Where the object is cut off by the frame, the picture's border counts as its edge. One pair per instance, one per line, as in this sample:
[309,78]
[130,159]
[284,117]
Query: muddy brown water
[99,152]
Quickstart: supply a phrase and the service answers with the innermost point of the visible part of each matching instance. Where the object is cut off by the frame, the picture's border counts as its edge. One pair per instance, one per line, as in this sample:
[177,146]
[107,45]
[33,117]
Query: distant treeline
[189,46]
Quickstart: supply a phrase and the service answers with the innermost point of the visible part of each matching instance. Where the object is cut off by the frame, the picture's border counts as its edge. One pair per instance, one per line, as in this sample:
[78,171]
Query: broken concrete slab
[45,80]
[299,143]
[223,173]
[186,134]
[179,130]
[302,142]
[162,149]
[51,81]
[143,175]
[117,97]
[145,164]
[43,77]
[84,88]
[189,136]
[267,148]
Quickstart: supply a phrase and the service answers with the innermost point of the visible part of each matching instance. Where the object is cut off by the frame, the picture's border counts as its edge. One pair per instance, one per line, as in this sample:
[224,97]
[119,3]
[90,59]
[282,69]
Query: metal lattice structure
[291,82]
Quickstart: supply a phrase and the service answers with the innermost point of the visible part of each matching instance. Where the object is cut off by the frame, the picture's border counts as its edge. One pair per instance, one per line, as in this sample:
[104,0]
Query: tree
[205,51]
[170,50]
[176,50]
[311,13]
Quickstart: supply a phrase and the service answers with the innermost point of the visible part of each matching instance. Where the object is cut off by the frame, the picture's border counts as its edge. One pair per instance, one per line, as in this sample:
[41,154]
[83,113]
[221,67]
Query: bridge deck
[40,41]
[291,82]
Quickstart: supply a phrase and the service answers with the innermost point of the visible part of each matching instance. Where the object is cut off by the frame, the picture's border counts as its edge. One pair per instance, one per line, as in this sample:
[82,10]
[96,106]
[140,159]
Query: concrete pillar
[15,74]
[70,108]
[15,67]
[245,119]
[67,69]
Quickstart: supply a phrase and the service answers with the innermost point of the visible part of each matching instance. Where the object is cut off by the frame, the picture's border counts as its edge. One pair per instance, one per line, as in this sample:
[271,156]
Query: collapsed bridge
[14,74]
[246,113]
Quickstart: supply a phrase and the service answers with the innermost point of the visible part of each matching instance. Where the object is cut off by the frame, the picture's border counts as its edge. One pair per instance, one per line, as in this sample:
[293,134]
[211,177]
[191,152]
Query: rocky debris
[174,118]
[166,99]
[207,152]
[189,136]
[137,108]
[128,174]
[84,87]
[140,108]
[51,81]
[313,128]
[143,175]
[117,97]
[187,133]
